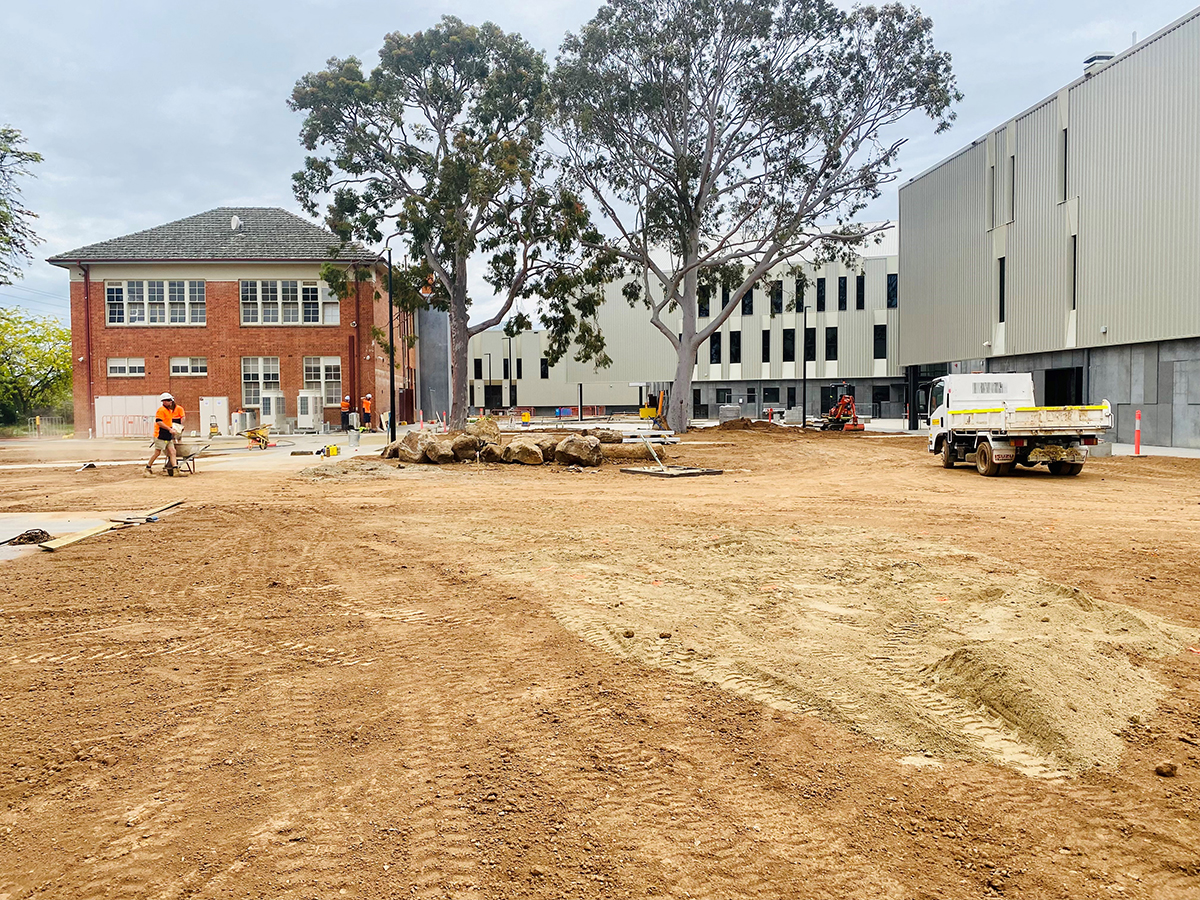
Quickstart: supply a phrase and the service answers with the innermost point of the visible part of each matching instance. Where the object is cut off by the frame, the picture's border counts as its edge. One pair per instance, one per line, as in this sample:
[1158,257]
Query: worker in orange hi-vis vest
[367,412]
[346,413]
[164,435]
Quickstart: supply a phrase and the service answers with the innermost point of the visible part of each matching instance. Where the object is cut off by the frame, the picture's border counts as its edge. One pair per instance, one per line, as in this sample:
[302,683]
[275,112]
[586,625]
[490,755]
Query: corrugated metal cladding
[946,261]
[1131,200]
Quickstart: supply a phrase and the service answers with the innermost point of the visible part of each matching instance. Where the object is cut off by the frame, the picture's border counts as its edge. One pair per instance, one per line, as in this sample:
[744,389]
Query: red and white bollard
[1137,434]
[445,422]
[421,412]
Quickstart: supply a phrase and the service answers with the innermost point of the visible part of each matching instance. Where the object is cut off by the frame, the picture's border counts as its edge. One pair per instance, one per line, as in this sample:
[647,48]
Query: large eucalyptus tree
[442,145]
[721,138]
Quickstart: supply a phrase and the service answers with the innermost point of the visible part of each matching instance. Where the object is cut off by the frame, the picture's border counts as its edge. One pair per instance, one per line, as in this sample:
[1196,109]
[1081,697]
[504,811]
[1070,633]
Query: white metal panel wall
[1038,245]
[1132,200]
[641,353]
[946,262]
[1134,158]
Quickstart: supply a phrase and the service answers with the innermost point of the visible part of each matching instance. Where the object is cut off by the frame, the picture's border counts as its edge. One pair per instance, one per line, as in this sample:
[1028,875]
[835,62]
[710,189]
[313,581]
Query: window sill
[155,324]
[287,325]
[188,375]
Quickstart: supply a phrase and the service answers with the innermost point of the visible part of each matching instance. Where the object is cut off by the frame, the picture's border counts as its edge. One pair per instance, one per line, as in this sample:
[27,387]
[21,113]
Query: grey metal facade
[1090,202]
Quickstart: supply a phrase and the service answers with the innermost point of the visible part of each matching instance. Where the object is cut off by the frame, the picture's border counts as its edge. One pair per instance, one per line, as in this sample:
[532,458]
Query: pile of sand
[362,468]
[917,644]
[744,424]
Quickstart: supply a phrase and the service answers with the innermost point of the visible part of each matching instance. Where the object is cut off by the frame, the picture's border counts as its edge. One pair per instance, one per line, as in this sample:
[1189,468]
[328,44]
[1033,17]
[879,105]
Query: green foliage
[35,365]
[721,138]
[338,277]
[442,144]
[17,238]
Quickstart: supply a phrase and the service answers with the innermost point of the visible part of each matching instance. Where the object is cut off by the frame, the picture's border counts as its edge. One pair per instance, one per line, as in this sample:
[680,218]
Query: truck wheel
[948,458]
[1064,468]
[984,463]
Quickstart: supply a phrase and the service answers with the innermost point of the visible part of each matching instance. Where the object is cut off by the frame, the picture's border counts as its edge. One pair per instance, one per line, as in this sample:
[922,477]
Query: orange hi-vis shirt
[177,413]
[366,406]
[162,423]
[345,406]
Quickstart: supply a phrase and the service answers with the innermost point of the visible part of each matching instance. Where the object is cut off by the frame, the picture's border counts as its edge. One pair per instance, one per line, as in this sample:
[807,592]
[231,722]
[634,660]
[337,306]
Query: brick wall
[223,341]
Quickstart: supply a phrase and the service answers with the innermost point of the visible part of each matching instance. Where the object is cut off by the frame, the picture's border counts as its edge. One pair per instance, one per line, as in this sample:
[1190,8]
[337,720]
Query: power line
[21,287]
[37,305]
[33,301]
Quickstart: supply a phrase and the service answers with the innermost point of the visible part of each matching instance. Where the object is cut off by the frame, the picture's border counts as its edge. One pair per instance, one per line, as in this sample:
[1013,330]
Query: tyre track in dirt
[476,691]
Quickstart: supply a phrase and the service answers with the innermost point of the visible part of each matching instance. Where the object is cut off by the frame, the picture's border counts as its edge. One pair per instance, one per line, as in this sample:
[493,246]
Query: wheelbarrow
[258,437]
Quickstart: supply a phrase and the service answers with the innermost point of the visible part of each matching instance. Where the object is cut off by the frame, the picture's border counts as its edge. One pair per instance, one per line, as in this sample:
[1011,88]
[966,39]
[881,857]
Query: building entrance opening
[493,396]
[1064,387]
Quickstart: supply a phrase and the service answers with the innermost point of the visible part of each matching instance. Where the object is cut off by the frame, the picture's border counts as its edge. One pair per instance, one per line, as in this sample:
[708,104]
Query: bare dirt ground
[837,670]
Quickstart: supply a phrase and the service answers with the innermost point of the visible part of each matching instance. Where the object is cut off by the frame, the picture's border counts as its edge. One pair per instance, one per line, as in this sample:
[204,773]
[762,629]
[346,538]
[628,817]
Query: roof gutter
[64,262]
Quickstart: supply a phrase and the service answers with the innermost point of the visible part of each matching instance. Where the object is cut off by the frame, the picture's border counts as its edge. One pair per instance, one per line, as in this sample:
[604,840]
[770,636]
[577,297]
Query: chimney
[1097,61]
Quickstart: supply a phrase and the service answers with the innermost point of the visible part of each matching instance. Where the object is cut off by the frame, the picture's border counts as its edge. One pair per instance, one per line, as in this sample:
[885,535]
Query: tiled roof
[264,233]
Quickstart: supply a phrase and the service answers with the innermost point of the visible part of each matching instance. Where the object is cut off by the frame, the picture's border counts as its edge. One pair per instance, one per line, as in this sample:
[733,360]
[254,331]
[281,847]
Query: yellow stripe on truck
[1036,408]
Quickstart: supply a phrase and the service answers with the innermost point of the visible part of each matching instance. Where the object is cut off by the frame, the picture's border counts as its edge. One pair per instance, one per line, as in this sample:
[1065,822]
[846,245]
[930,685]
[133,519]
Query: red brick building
[227,311]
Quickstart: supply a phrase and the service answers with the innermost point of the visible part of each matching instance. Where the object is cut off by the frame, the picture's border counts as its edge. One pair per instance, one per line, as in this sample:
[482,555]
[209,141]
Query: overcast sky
[146,112]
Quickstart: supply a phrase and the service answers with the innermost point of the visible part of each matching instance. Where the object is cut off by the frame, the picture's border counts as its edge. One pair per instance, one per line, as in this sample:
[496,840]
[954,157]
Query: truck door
[937,398]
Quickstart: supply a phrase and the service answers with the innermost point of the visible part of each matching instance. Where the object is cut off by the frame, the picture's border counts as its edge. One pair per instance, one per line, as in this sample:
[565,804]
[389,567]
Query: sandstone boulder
[406,449]
[491,453]
[439,452]
[607,435]
[578,450]
[546,443]
[523,451]
[486,429]
[407,454]
[465,446]
[628,451]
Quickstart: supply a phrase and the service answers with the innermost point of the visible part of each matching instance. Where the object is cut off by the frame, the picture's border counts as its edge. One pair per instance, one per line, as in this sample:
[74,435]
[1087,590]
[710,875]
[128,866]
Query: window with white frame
[259,373]
[324,374]
[287,303]
[189,365]
[127,367]
[155,302]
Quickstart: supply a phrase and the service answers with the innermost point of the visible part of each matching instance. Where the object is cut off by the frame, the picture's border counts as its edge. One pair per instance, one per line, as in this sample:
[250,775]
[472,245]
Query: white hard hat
[164,396]
[368,396]
[347,396]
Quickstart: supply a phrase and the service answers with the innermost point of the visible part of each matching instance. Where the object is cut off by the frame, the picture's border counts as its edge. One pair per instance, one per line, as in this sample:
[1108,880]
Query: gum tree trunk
[458,356]
[680,403]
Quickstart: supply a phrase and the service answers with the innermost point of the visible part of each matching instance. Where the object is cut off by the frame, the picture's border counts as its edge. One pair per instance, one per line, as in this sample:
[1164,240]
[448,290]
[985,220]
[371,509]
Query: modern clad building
[1064,243]
[841,320]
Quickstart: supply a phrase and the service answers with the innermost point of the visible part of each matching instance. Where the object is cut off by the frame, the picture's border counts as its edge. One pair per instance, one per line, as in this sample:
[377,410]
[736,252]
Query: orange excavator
[843,416]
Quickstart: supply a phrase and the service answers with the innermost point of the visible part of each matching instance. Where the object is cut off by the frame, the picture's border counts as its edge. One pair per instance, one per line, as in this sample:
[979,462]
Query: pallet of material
[671,471]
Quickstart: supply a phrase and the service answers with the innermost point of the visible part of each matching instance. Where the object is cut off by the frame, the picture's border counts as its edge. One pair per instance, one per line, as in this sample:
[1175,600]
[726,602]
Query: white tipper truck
[990,419]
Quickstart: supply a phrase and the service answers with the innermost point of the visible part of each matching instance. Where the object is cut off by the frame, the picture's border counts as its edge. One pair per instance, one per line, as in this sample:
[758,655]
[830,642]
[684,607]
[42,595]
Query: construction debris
[150,515]
[671,471]
[32,536]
